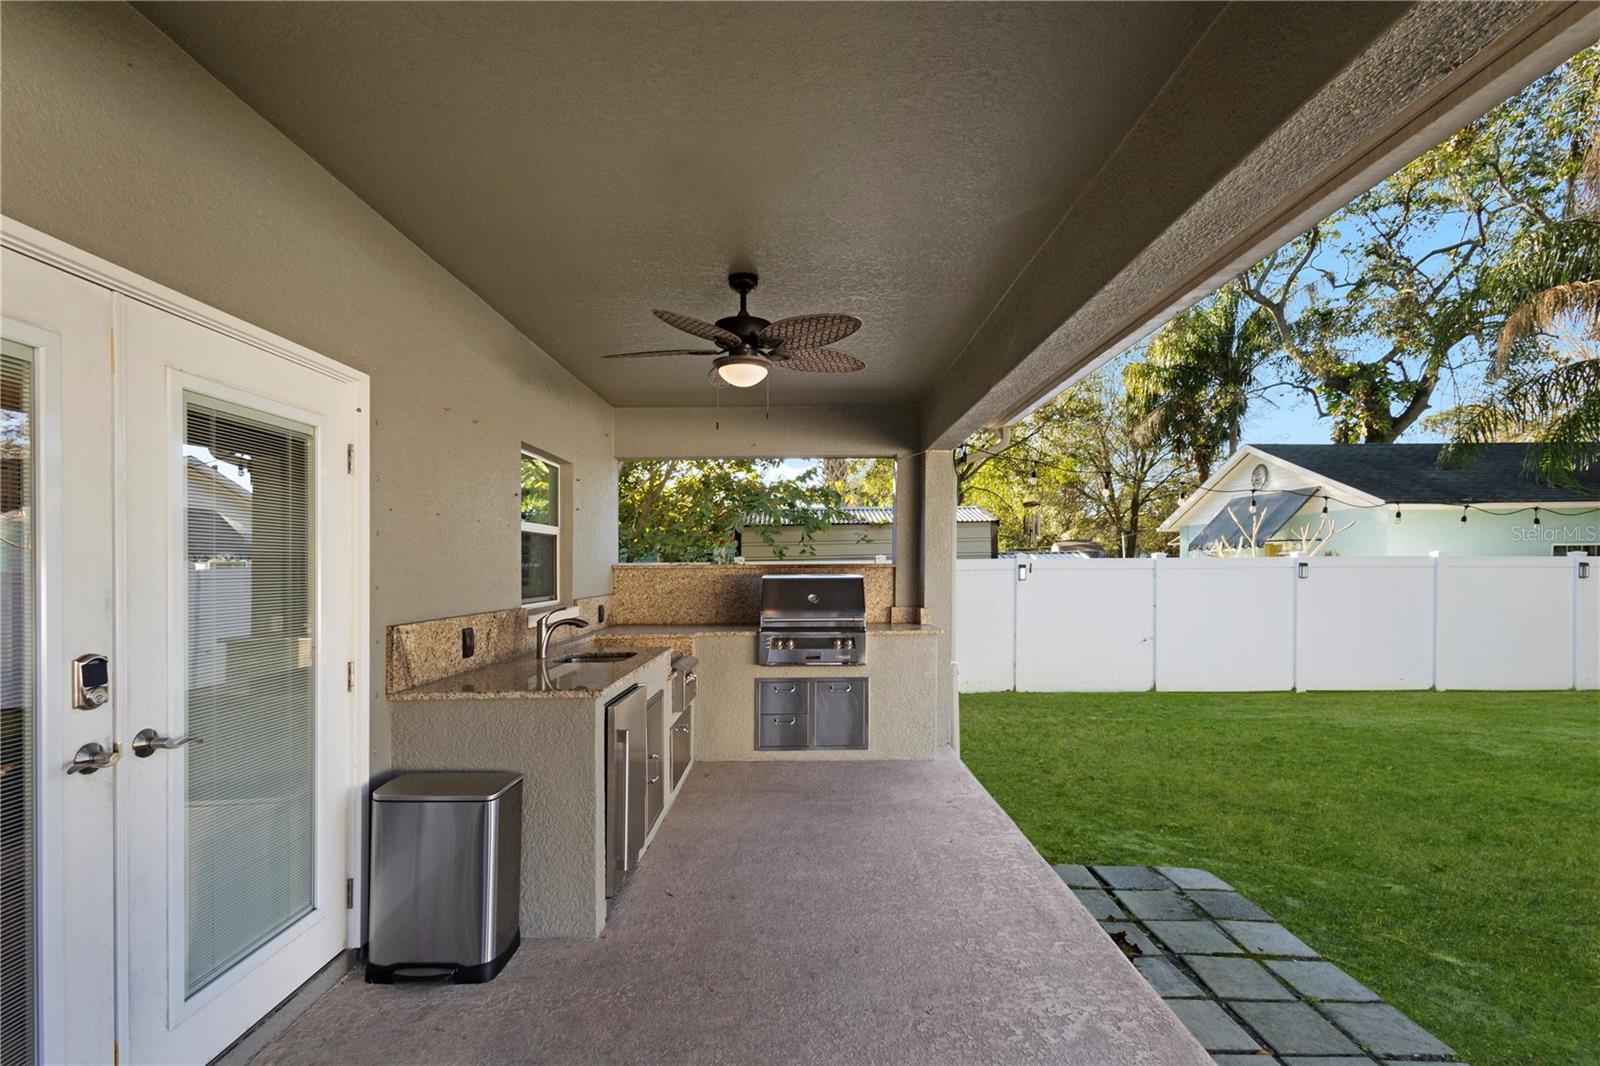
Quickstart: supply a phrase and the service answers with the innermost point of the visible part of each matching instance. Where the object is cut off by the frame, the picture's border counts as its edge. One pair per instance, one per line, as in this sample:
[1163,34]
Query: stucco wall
[902,698]
[556,745]
[117,142]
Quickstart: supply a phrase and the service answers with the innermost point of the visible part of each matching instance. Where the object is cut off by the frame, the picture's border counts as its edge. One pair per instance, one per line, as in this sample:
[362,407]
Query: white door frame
[28,241]
[49,657]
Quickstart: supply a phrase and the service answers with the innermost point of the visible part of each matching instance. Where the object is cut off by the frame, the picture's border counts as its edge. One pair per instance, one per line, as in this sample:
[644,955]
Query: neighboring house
[867,533]
[1385,499]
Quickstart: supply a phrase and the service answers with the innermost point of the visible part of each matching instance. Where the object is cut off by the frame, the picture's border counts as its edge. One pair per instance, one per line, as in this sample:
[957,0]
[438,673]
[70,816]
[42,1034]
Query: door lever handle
[94,756]
[147,742]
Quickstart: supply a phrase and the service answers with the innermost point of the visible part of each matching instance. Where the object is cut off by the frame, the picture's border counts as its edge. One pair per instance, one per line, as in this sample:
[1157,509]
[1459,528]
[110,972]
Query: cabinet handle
[656,755]
[791,721]
[656,780]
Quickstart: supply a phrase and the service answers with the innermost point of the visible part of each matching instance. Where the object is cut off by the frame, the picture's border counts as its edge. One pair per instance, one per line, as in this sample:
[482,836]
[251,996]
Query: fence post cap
[1437,554]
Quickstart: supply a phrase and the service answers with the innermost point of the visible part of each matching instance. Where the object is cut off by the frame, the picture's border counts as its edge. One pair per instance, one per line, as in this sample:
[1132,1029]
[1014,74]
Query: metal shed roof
[883,516]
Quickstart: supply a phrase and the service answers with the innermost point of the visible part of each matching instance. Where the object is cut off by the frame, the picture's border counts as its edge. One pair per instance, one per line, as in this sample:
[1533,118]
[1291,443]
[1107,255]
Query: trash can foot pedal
[442,973]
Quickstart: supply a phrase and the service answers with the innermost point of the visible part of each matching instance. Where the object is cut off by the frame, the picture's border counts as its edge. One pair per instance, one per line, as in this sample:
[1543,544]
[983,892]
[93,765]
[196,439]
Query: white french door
[58,848]
[219,566]
[239,550]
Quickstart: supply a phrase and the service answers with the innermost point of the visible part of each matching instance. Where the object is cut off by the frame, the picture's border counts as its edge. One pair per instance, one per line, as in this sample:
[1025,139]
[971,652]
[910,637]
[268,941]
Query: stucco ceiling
[580,164]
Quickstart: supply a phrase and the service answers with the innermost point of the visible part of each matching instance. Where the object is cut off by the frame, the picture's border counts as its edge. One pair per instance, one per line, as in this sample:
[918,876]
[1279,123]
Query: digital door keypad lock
[91,681]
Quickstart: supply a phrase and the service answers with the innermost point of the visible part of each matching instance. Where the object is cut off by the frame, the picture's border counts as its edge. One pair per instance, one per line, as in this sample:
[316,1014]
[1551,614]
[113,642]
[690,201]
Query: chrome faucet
[552,621]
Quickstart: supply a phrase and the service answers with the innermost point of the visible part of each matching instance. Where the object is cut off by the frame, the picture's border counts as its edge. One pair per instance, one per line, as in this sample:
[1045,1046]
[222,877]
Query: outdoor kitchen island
[778,646]
[900,672]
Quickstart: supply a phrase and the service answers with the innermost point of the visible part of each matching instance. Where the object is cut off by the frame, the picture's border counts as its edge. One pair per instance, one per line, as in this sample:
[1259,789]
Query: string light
[1463,514]
[1324,505]
[1034,465]
[1252,501]
[1536,516]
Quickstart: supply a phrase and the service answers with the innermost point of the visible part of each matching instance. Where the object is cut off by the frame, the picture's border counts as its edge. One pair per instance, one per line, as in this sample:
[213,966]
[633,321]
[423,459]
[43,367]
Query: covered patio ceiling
[1001,191]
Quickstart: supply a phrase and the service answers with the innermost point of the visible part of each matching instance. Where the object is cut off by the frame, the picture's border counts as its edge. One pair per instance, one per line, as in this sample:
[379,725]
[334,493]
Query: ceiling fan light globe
[741,371]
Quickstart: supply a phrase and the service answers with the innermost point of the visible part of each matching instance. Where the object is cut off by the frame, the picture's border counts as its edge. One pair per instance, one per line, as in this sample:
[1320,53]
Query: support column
[908,530]
[938,559]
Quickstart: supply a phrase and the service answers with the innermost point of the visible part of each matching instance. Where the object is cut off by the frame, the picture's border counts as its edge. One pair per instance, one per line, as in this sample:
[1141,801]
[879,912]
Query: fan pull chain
[769,397]
[718,423]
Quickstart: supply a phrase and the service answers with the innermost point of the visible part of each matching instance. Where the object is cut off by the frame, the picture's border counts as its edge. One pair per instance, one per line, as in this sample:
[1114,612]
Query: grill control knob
[789,644]
[850,643]
[838,645]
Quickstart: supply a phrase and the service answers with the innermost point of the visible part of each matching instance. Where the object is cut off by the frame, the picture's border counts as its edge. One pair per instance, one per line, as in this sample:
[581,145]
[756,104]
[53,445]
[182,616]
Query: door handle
[146,742]
[94,756]
[625,739]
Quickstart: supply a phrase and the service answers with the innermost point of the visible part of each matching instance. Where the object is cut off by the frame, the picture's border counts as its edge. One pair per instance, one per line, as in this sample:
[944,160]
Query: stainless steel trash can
[446,876]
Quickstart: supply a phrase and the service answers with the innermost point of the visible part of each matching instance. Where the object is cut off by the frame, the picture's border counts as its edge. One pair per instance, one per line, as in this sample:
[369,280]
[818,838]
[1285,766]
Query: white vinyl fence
[1049,624]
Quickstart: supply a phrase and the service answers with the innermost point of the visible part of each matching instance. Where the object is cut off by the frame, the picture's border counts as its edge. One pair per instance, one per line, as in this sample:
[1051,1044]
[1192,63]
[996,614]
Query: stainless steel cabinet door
[624,790]
[655,783]
[839,709]
[682,742]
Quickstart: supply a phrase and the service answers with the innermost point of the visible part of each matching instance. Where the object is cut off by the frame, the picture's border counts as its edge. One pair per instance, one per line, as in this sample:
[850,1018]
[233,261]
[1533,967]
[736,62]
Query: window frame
[555,467]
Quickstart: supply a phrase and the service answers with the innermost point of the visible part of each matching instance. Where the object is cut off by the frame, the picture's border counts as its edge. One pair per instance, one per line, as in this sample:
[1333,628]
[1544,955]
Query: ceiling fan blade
[807,332]
[664,351]
[706,330]
[819,361]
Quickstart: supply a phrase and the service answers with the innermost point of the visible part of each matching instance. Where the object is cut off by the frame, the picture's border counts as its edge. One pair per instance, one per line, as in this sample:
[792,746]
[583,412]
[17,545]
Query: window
[541,528]
[1573,549]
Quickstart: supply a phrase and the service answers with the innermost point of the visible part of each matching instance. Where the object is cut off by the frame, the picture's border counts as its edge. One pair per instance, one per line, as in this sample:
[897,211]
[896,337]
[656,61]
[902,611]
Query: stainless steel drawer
[781,697]
[783,731]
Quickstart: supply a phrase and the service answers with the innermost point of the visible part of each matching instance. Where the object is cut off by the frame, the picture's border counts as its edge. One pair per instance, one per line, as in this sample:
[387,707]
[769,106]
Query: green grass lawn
[1444,848]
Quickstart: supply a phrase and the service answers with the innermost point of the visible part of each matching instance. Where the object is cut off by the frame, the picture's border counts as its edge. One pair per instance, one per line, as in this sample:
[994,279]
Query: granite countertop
[525,677]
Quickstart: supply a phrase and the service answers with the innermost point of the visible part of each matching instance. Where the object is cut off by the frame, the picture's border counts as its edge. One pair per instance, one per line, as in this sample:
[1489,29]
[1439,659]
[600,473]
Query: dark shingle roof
[1409,473]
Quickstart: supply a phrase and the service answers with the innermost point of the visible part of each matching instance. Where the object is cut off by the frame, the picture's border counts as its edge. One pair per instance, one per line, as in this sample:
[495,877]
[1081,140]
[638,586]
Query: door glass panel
[17,560]
[249,843]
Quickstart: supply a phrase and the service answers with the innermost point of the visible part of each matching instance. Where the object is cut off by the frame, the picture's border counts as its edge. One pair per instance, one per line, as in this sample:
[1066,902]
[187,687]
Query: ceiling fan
[747,346]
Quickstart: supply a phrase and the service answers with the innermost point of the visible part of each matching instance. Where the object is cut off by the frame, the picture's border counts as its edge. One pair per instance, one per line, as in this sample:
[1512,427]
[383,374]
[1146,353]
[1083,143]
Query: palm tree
[1193,388]
[1549,275]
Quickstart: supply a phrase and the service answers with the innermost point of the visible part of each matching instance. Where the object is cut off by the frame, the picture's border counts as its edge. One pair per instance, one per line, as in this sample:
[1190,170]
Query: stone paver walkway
[1251,991]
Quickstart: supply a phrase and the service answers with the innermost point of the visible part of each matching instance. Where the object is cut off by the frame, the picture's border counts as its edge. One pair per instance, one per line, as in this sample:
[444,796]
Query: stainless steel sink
[596,657]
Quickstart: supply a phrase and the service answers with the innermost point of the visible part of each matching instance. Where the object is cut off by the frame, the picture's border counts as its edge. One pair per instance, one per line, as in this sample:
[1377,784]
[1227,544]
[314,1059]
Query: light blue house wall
[1423,529]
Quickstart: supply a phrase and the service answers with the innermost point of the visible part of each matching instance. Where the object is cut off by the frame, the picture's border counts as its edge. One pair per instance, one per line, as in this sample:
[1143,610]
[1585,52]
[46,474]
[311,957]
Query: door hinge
[349,458]
[349,893]
[350,676]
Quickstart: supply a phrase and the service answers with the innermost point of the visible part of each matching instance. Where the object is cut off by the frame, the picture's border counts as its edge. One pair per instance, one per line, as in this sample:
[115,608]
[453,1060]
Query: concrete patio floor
[796,912]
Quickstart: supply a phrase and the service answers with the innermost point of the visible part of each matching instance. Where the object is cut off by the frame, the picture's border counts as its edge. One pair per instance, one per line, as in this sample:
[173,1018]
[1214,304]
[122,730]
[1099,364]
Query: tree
[861,482]
[688,510]
[1549,277]
[1194,385]
[1378,304]
[1082,463]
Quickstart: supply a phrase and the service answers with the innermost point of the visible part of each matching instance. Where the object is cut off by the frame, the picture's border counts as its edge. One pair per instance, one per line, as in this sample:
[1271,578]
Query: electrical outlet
[469,642]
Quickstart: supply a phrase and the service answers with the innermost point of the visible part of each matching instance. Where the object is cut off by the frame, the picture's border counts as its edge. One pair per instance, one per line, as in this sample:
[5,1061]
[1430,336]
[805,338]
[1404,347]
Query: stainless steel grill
[812,620]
